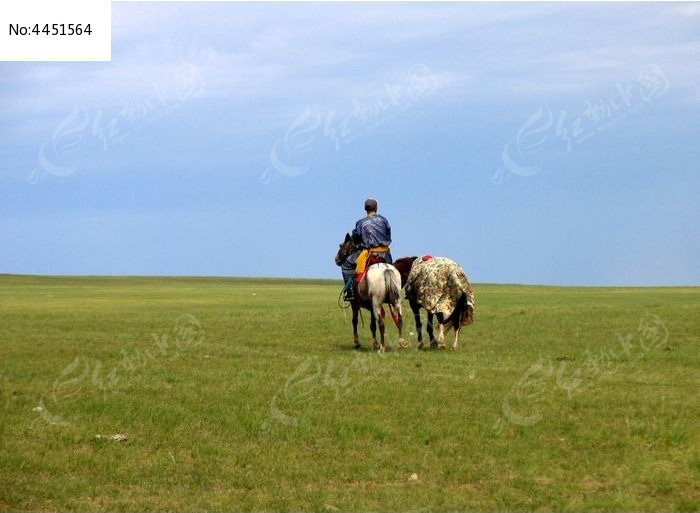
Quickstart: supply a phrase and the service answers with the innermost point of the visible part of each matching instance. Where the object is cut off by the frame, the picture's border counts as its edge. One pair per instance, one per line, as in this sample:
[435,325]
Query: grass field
[244,394]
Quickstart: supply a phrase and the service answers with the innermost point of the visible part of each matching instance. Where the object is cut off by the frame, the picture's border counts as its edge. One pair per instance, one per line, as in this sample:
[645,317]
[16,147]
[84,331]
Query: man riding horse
[373,234]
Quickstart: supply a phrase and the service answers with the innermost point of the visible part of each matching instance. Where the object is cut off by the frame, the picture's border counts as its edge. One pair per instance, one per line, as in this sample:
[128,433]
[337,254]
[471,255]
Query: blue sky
[533,143]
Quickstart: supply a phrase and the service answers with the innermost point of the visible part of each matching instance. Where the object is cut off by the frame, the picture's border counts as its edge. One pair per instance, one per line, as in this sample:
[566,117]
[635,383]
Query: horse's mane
[404,260]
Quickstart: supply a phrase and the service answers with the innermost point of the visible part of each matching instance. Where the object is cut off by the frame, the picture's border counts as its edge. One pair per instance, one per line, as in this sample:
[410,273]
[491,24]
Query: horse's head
[345,248]
[403,265]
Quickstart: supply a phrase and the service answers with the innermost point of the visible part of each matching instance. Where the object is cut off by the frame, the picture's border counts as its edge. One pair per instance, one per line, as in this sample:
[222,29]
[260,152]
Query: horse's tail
[393,291]
[392,286]
[463,313]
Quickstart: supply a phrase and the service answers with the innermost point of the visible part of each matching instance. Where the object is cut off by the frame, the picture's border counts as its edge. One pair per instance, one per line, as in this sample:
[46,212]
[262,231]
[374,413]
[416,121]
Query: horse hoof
[375,346]
[441,347]
[402,343]
[356,346]
[433,344]
[420,346]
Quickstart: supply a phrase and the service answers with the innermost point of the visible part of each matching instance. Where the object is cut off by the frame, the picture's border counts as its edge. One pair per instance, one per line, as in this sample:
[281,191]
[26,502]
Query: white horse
[380,285]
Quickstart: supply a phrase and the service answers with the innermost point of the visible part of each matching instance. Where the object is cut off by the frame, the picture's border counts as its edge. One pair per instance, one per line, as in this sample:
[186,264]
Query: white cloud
[273,59]
[689,8]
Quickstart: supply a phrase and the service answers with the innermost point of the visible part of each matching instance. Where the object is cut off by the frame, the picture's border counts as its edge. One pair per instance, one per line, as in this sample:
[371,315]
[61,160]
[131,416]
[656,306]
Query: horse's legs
[355,338]
[456,342]
[441,336]
[381,331]
[429,328]
[398,315]
[399,325]
[416,315]
[377,311]
[441,331]
[373,329]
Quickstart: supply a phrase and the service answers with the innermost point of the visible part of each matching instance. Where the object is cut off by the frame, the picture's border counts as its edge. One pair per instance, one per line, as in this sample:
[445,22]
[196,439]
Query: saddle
[373,258]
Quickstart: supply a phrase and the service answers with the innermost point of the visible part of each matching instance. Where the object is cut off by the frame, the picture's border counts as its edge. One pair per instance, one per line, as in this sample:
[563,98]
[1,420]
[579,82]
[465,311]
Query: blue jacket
[373,230]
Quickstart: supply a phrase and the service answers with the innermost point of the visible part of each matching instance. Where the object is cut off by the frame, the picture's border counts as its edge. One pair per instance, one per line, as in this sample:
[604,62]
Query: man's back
[373,230]
[374,235]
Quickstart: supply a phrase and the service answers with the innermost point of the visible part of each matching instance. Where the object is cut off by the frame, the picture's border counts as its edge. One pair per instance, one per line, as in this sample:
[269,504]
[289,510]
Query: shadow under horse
[381,284]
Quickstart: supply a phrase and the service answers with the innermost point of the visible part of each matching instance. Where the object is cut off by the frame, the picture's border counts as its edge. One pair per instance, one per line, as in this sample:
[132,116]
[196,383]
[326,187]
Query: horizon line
[304,278]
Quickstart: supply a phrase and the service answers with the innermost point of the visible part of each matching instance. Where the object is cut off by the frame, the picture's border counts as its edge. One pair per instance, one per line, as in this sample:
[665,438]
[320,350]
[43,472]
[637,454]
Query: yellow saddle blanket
[361,262]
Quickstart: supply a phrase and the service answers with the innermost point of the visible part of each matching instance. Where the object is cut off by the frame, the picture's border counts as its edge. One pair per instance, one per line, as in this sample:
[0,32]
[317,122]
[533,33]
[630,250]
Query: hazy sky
[533,143]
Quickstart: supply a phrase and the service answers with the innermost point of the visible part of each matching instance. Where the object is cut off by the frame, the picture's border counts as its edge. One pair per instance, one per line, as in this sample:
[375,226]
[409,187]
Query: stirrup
[349,291]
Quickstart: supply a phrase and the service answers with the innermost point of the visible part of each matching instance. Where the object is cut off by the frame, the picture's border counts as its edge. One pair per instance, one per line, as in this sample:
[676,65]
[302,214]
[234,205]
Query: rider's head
[370,205]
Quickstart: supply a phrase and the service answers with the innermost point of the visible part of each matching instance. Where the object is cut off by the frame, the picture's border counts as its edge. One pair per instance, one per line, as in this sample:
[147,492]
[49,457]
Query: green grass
[274,411]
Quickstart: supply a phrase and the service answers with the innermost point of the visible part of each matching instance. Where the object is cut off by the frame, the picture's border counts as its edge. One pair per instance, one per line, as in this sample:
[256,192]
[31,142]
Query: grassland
[242,394]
